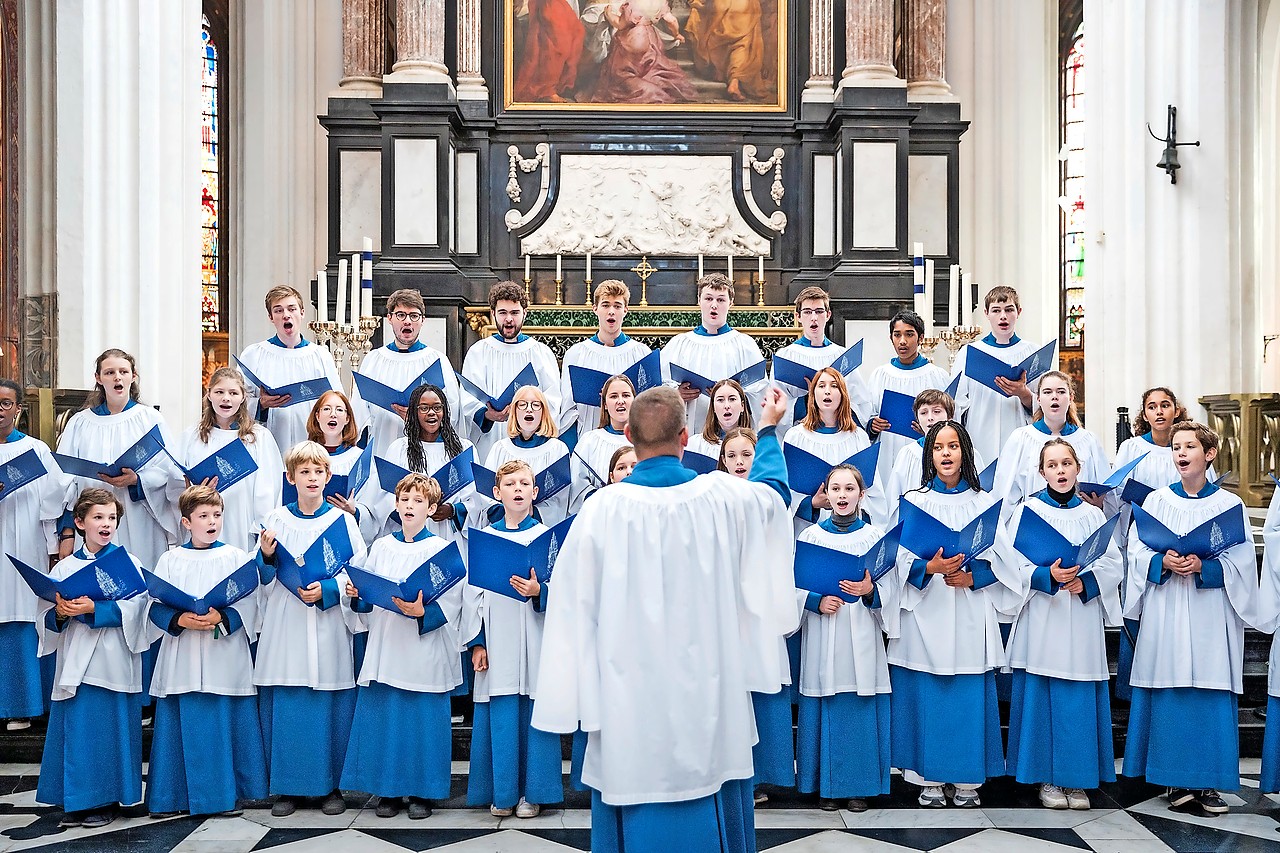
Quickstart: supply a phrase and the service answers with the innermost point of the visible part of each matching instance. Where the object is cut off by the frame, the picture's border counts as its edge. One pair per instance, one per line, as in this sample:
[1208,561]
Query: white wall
[1267,172]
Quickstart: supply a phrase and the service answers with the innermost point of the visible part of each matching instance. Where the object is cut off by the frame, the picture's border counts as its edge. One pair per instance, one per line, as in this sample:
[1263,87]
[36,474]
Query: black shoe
[419,809]
[829,805]
[70,819]
[1211,801]
[387,807]
[1180,798]
[97,820]
[161,815]
[856,804]
[284,806]
[230,813]
[333,804]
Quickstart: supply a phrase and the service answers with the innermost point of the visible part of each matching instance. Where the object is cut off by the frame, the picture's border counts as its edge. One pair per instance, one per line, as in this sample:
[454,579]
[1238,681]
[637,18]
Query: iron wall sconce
[1169,157]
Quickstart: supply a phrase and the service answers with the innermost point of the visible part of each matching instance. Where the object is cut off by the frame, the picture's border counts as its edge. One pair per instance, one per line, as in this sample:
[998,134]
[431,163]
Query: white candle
[559,274]
[354,305]
[340,312]
[954,298]
[928,297]
[760,270]
[526,267]
[366,290]
[917,282]
[699,265]
[367,245]
[731,266]
[588,266]
[322,297]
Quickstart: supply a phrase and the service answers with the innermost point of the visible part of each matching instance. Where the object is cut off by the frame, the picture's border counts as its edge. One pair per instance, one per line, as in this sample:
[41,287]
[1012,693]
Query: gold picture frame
[559,59]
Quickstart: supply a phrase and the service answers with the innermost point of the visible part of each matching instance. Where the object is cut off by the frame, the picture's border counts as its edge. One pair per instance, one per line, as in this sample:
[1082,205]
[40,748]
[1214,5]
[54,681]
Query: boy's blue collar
[101,408]
[990,340]
[82,554]
[1049,499]
[1067,428]
[417,346]
[192,546]
[325,506]
[938,486]
[424,533]
[920,362]
[660,471]
[534,440]
[920,441]
[501,524]
[274,340]
[804,342]
[520,338]
[1181,491]
[829,525]
[621,340]
[702,330]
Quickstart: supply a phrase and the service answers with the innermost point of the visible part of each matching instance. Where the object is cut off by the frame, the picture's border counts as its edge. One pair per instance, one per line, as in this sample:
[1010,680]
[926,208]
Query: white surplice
[593,452]
[552,510]
[596,356]
[834,448]
[278,366]
[1018,467]
[908,381]
[380,496]
[815,358]
[396,369]
[714,357]
[246,502]
[28,519]
[492,364]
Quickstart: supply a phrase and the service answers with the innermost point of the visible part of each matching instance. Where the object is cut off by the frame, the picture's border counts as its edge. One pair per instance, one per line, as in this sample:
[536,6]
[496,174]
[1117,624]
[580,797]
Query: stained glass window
[210,187]
[1071,200]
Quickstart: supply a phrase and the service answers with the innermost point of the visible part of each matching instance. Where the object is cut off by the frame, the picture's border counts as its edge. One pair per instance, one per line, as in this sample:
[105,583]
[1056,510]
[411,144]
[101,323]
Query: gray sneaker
[966,798]
[931,797]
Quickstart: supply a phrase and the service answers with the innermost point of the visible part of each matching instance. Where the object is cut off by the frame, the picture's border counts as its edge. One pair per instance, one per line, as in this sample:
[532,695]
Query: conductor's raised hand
[772,407]
[820,499]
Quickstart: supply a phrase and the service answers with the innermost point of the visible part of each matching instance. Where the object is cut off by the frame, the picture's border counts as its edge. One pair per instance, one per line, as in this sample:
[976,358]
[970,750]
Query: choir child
[303,670]
[621,464]
[1269,616]
[111,422]
[1018,467]
[843,734]
[713,350]
[729,410]
[206,750]
[402,737]
[514,767]
[931,406]
[29,515]
[92,760]
[493,363]
[1060,713]
[945,645]
[430,442]
[737,452]
[829,432]
[225,419]
[331,425]
[1189,656]
[908,373]
[814,350]
[609,351]
[665,697]
[531,437]
[989,416]
[283,359]
[403,361]
[590,460]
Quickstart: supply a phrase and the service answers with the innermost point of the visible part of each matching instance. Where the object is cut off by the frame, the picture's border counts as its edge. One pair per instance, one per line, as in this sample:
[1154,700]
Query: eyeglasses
[8,405]
[428,408]
[401,316]
[813,312]
[529,405]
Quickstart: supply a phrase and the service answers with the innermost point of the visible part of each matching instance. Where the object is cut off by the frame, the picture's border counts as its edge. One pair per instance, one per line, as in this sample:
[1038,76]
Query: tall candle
[340,294]
[354,305]
[760,271]
[366,289]
[322,297]
[699,265]
[954,298]
[366,245]
[526,267]
[731,266]
[917,281]
[928,297]
[559,274]
[588,266]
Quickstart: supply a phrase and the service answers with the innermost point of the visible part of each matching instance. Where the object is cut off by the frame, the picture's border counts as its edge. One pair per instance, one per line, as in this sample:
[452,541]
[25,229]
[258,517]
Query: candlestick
[559,290]
[928,297]
[354,305]
[760,267]
[588,284]
[528,287]
[340,312]
[760,282]
[699,265]
[954,296]
[322,298]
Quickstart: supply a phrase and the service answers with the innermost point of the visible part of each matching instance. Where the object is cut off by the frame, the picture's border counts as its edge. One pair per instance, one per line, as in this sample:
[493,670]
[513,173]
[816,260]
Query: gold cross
[644,270]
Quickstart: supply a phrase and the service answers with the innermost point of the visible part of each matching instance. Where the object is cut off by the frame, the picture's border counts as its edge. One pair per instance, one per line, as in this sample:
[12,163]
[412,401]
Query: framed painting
[638,55]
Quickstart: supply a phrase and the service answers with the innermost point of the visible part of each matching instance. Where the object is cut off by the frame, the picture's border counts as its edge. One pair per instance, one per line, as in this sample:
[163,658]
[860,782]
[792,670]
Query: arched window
[213,202]
[1071,232]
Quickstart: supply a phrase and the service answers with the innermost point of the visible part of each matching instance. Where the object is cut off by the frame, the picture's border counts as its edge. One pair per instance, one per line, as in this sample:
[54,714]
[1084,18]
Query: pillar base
[871,76]
[358,87]
[818,90]
[472,89]
[936,91]
[418,71]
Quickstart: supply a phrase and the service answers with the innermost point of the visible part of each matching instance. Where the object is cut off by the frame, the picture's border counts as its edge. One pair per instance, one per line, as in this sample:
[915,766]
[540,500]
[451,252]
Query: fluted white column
[419,43]
[128,193]
[471,85]
[820,85]
[868,39]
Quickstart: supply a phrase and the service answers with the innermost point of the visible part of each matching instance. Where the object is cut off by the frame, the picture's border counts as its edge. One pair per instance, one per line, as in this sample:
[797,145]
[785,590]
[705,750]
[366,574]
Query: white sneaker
[966,798]
[1078,800]
[1053,797]
[526,809]
[17,725]
[932,797]
[497,812]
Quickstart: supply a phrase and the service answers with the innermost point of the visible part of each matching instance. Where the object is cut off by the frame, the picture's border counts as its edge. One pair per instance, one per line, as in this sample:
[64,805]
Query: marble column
[419,43]
[819,86]
[868,39]
[471,86]
[925,57]
[364,54]
[126,220]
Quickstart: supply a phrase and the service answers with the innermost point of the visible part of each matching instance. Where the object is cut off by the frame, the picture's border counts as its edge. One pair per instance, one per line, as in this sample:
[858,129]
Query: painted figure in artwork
[728,41]
[637,69]
[548,70]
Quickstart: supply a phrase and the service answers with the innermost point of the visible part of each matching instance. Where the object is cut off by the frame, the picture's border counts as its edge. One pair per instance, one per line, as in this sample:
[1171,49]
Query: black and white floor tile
[1128,817]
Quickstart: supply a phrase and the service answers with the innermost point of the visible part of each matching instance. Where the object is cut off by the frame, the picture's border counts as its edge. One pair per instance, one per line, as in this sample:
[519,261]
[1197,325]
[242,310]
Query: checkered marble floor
[1128,817]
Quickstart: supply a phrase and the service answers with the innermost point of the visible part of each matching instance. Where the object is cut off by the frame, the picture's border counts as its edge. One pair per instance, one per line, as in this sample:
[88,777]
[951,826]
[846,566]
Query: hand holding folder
[820,569]
[305,391]
[226,592]
[496,559]
[440,573]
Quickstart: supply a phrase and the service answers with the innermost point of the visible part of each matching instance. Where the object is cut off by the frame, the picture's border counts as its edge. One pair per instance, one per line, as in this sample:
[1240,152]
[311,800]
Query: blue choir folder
[22,469]
[299,392]
[384,396]
[322,560]
[698,462]
[987,478]
[569,438]
[111,577]
[225,592]
[456,474]
[923,535]
[983,367]
[494,559]
[820,569]
[1135,492]
[440,573]
[526,376]
[142,452]
[806,473]
[231,463]
[346,485]
[1113,481]
[899,410]
[390,474]
[799,376]
[587,384]
[1040,543]
[550,480]
[1207,541]
[954,387]
[746,376]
